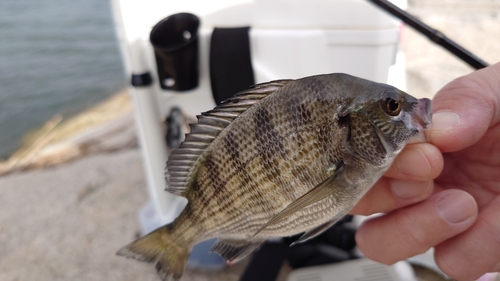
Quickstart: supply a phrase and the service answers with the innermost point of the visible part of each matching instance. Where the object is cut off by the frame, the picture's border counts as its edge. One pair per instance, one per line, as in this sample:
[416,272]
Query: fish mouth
[423,113]
[421,119]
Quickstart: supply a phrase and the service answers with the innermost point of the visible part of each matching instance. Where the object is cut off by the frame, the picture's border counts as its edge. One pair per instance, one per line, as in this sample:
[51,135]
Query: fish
[279,159]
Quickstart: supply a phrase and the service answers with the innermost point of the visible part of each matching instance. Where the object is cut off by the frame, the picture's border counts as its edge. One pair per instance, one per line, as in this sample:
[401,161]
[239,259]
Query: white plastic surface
[355,270]
[278,54]
[289,39]
[301,14]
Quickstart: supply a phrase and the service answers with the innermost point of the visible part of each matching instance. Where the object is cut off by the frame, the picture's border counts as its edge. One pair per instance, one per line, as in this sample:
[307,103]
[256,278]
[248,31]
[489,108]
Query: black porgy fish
[278,159]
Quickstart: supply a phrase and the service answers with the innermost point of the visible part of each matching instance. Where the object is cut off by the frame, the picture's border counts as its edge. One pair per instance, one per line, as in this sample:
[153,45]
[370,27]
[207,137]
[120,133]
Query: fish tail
[158,246]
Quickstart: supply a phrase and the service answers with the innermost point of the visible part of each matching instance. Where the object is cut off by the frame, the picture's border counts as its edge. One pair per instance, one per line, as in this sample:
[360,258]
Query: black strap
[266,263]
[333,245]
[230,63]
[141,80]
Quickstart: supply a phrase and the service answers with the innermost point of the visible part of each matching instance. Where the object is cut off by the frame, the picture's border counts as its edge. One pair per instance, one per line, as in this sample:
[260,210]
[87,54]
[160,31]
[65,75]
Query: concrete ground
[67,222]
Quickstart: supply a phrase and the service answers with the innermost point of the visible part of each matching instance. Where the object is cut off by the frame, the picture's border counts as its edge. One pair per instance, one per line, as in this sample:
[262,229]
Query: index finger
[407,181]
[417,162]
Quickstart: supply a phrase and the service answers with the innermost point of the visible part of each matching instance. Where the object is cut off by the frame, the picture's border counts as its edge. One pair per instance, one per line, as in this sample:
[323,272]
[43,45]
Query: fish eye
[391,107]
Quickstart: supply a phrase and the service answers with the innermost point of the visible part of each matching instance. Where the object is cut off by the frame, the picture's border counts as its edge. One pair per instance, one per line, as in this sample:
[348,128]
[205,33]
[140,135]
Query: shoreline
[103,128]
[428,68]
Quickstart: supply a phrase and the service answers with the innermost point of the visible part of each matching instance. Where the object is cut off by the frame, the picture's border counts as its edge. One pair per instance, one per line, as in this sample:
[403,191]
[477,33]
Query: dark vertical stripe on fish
[220,193]
[213,173]
[264,128]
[305,114]
[233,148]
[271,147]
[323,138]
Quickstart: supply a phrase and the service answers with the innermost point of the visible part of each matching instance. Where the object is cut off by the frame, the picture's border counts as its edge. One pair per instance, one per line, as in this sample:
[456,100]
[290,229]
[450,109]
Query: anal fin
[234,250]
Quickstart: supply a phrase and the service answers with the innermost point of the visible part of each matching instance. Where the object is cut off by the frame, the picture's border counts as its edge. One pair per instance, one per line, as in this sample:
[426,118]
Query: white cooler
[288,39]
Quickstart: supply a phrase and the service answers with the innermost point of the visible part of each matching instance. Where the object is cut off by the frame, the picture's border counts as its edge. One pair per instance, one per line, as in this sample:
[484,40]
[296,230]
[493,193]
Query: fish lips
[423,113]
[421,119]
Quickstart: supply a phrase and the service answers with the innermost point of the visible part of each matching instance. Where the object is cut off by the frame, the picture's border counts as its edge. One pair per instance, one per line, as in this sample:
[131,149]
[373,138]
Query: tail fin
[158,247]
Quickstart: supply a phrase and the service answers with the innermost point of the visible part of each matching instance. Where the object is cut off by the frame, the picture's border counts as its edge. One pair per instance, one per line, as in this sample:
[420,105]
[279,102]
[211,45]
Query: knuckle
[417,241]
[453,262]
[442,261]
[458,260]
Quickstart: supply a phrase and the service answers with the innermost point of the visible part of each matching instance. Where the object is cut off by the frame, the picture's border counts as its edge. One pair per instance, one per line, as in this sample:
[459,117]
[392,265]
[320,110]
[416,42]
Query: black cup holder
[175,42]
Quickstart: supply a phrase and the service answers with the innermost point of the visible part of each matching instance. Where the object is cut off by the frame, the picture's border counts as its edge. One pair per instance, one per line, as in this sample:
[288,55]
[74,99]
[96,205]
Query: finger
[465,108]
[414,229]
[492,276]
[476,251]
[408,180]
[390,194]
[418,161]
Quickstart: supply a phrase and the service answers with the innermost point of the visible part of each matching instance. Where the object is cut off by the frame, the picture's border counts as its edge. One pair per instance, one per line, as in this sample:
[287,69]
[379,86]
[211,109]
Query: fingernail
[410,189]
[419,166]
[444,120]
[456,207]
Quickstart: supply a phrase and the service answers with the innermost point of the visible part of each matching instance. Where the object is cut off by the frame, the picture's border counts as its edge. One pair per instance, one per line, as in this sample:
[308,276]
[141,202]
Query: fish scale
[278,159]
[266,134]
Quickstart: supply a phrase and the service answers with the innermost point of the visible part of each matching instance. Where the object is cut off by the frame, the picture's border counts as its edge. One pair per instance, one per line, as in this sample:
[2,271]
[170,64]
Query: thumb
[465,108]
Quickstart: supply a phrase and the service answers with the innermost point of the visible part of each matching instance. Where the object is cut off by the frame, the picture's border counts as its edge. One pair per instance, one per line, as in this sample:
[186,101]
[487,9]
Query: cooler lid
[302,14]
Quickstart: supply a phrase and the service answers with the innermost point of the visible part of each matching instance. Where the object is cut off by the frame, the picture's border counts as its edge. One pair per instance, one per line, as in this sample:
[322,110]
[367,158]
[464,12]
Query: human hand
[459,212]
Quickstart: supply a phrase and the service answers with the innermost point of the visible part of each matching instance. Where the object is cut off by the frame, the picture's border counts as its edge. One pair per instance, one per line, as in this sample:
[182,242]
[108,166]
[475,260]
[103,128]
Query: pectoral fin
[314,232]
[318,230]
[319,192]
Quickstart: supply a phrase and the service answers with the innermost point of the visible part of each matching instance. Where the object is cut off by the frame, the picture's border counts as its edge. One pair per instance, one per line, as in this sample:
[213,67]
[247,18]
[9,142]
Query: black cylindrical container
[175,41]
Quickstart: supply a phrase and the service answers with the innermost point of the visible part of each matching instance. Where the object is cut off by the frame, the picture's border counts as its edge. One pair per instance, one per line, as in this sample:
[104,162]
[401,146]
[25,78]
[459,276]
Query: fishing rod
[433,34]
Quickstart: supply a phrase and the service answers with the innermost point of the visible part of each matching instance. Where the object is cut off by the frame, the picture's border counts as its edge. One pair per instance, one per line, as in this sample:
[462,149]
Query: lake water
[56,56]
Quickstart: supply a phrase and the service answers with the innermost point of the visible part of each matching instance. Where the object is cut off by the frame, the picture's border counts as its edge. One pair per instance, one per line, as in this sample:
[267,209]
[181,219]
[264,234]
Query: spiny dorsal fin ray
[208,127]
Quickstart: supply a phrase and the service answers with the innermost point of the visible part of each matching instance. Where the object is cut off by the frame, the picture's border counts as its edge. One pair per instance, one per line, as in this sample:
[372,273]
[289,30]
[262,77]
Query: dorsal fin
[181,164]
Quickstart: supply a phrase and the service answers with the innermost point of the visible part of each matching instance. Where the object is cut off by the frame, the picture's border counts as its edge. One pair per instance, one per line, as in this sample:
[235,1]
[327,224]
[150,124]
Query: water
[56,56]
